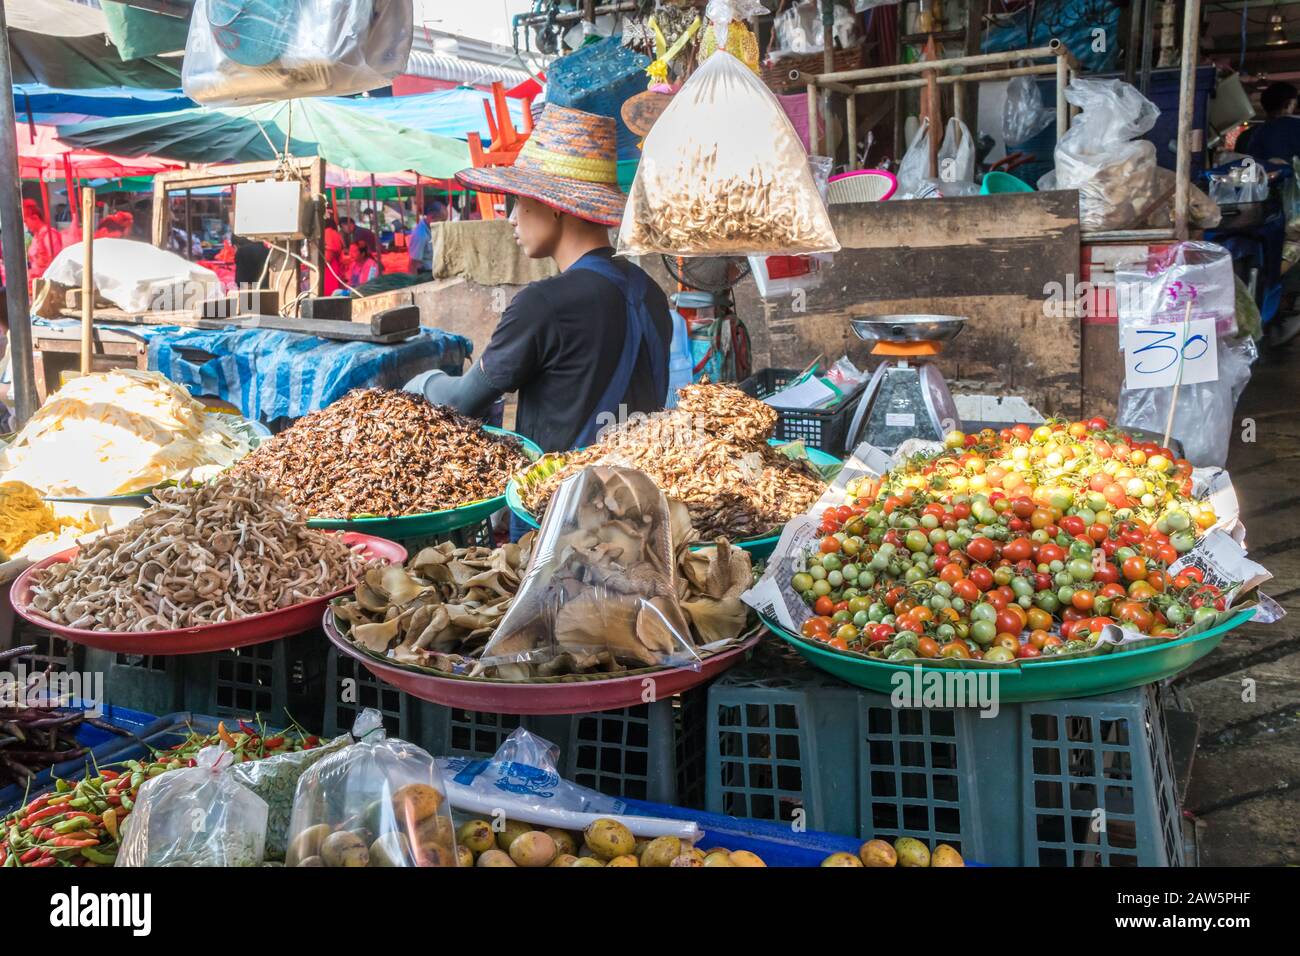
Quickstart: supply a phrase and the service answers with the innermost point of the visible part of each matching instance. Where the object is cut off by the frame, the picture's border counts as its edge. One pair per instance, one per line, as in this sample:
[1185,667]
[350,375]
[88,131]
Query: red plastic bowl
[255,629]
[504,697]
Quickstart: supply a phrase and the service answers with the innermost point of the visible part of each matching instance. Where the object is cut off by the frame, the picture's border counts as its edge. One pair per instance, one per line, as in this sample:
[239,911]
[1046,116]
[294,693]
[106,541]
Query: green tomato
[821,588]
[913,575]
[866,579]
[1178,520]
[1183,541]
[831,562]
[984,612]
[946,632]
[1003,575]
[917,541]
[836,579]
[861,620]
[1176,614]
[1081,570]
[908,639]
[1204,613]
[1047,601]
[877,612]
[1065,594]
[929,522]
[902,654]
[802,581]
[857,604]
[982,632]
[818,572]
[999,655]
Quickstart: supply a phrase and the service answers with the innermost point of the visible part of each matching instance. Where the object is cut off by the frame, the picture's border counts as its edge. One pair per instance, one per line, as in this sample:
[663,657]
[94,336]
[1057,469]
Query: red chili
[44,861]
[272,742]
[31,854]
[40,815]
[109,774]
[73,841]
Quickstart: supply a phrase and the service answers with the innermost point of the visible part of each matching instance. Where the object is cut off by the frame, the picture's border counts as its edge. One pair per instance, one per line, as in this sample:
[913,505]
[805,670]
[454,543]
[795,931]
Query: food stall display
[1009,547]
[27,520]
[382,452]
[711,453]
[119,432]
[203,554]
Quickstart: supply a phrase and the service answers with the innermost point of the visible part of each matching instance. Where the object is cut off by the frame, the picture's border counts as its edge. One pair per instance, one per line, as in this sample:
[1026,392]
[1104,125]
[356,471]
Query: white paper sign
[1151,354]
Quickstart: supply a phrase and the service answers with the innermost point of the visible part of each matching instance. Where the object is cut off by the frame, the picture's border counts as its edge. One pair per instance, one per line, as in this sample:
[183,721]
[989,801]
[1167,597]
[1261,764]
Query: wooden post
[933,114]
[851,127]
[812,119]
[1186,103]
[828,66]
[87,279]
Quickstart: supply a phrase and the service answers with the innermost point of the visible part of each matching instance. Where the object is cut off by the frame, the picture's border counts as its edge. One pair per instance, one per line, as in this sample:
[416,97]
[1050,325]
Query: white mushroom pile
[201,555]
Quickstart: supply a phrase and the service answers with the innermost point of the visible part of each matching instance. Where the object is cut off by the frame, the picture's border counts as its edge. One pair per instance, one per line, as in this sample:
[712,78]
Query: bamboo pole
[959,78]
[1186,103]
[869,73]
[87,279]
[851,128]
[1062,113]
[812,119]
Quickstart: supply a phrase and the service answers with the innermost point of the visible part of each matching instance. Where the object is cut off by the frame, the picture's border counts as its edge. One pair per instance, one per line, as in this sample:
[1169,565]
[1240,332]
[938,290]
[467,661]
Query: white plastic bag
[955,164]
[137,277]
[1100,156]
[200,816]
[601,586]
[379,803]
[1204,416]
[724,173]
[1156,291]
[1023,114]
[250,51]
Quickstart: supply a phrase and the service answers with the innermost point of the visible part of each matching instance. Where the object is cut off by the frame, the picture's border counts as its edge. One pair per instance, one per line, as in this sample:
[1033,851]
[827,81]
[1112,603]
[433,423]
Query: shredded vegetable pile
[24,516]
[116,432]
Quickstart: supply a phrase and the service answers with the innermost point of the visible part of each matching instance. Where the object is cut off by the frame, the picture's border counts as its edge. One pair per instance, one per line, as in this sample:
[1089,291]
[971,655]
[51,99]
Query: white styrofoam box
[269,209]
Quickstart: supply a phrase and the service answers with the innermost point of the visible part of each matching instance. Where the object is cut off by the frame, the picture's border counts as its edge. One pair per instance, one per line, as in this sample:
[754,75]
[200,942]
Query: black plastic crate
[826,429]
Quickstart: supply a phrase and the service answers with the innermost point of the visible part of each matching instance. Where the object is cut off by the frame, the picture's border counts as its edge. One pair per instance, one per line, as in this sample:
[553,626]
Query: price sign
[1152,354]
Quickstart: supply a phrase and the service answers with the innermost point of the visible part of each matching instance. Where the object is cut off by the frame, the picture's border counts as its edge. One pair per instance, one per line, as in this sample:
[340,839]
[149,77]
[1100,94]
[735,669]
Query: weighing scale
[908,398]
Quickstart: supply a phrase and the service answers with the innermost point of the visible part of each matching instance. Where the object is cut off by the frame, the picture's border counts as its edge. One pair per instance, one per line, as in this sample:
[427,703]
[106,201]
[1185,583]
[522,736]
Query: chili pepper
[127,802]
[247,729]
[224,734]
[271,743]
[62,786]
[60,799]
[109,774]
[31,855]
[31,818]
[137,778]
[80,803]
[68,826]
[95,855]
[38,803]
[313,741]
[110,823]
[64,841]
[44,861]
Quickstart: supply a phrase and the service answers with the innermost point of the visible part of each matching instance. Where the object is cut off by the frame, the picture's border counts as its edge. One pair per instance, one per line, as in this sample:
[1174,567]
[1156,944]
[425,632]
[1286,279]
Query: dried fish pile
[440,611]
[385,452]
[710,453]
[202,555]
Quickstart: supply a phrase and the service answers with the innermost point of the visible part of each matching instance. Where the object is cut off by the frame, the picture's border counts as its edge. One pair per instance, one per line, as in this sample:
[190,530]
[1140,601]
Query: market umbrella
[455,113]
[44,104]
[343,136]
[41,155]
[65,44]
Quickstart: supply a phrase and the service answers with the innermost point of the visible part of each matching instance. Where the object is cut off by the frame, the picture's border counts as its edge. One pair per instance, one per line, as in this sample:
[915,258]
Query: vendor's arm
[470,394]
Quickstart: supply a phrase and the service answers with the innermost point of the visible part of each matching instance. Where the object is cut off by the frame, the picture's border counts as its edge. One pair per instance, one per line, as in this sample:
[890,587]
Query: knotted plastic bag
[249,51]
[378,802]
[1023,114]
[724,173]
[1100,156]
[199,816]
[601,588]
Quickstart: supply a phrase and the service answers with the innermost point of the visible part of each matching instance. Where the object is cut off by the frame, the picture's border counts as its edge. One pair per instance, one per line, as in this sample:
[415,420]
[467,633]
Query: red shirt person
[45,240]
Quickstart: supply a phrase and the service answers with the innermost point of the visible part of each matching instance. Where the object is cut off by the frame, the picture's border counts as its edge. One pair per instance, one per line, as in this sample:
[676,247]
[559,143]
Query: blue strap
[640,331]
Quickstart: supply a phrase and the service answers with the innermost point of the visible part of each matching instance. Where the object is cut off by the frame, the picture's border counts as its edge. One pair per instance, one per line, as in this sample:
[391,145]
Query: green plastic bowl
[998,182]
[1039,679]
[430,522]
[757,547]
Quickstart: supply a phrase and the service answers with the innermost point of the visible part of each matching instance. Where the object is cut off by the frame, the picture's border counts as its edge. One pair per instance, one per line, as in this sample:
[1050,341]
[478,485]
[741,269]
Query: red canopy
[41,156]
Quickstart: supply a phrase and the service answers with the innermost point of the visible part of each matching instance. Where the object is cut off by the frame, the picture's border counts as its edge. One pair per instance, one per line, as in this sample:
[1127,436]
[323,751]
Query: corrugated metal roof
[437,66]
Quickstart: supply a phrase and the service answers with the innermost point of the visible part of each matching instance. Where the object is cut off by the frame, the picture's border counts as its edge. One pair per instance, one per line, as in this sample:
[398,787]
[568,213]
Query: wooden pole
[851,125]
[17,304]
[1186,103]
[932,113]
[1062,113]
[812,119]
[87,279]
[1178,381]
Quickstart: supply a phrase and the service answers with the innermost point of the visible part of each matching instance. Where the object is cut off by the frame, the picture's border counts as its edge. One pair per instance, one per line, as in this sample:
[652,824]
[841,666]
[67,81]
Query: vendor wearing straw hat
[590,345]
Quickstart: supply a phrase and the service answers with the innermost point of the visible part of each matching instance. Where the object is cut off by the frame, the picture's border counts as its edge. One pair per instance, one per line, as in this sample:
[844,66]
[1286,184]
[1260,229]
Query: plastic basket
[1085,782]
[144,682]
[825,429]
[280,680]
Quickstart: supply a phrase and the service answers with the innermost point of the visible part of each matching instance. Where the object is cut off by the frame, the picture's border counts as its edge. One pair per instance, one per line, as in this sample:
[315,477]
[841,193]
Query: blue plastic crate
[105,747]
[1051,783]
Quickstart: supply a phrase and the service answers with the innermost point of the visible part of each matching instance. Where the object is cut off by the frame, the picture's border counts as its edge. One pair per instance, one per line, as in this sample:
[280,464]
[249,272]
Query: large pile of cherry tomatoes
[1010,546]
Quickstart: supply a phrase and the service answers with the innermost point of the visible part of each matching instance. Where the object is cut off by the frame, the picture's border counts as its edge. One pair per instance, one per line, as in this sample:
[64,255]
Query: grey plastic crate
[350,689]
[1084,782]
[51,652]
[155,685]
[280,680]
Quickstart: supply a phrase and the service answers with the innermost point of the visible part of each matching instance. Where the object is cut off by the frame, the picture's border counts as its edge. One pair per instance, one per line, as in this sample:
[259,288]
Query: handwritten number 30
[1193,348]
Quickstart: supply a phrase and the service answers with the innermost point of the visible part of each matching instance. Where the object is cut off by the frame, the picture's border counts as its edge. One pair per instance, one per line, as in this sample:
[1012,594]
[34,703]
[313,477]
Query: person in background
[45,240]
[250,262]
[587,346]
[1277,140]
[335,267]
[421,252]
[364,267]
[354,233]
[115,226]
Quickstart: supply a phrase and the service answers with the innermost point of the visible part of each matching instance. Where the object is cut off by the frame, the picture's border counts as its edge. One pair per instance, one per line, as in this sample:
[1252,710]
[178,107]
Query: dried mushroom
[201,555]
[711,454]
[383,452]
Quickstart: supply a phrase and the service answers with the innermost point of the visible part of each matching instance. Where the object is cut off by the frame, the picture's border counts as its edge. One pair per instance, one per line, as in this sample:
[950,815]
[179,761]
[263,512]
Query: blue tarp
[47,105]
[268,374]
[453,113]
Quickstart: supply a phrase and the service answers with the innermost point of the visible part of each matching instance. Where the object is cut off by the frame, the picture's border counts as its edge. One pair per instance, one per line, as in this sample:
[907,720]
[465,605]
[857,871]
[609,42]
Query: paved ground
[1245,782]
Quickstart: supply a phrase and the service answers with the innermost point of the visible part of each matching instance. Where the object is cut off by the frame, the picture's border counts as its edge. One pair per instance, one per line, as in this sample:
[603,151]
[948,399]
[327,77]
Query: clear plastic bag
[1024,115]
[783,275]
[274,779]
[1203,419]
[601,586]
[1157,290]
[378,802]
[199,816]
[1099,155]
[955,164]
[249,51]
[724,173]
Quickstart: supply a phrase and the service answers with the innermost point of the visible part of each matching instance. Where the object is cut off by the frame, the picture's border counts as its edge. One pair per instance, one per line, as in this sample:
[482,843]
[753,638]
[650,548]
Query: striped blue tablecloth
[269,374]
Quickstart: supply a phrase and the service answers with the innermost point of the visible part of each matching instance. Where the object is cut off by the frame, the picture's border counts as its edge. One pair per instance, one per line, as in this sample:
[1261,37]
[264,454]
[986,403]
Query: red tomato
[1018,550]
[1072,525]
[1082,600]
[1098,424]
[980,549]
[1009,622]
[1135,569]
[982,577]
[1047,553]
[830,545]
[1029,650]
[824,606]
[965,588]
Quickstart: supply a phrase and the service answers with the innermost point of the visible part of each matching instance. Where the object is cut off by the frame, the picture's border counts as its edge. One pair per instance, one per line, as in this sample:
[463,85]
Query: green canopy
[140,33]
[63,45]
[313,127]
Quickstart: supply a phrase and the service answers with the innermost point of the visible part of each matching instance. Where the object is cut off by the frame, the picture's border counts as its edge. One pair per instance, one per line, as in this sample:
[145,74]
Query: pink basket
[861,185]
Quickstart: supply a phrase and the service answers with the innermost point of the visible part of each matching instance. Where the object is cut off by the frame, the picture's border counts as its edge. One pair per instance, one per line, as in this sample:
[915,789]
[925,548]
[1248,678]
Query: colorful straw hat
[570,163]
